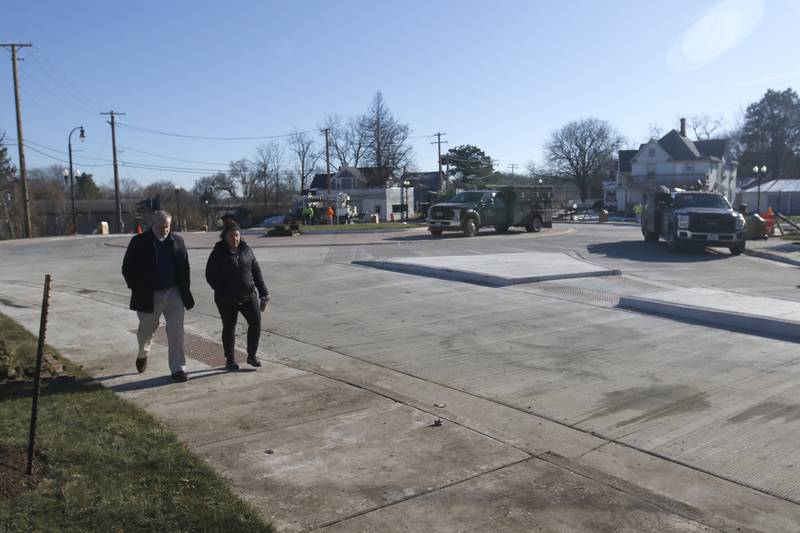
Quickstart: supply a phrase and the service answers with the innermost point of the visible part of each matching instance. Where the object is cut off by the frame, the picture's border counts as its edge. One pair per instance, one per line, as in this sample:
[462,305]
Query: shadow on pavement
[160,381]
[654,253]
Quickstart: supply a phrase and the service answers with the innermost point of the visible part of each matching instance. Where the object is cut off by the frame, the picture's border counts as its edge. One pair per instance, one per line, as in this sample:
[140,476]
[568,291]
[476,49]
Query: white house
[369,192]
[674,160]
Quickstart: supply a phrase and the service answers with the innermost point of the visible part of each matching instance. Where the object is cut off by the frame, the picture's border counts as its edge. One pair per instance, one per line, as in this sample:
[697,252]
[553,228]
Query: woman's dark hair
[227,227]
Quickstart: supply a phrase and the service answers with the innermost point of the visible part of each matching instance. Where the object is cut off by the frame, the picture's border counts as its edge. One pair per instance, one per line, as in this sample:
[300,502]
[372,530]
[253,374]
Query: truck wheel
[738,249]
[436,232]
[535,225]
[470,227]
[672,241]
[501,229]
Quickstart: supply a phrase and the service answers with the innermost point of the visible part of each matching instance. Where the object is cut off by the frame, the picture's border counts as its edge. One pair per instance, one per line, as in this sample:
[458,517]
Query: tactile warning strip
[199,348]
[582,293]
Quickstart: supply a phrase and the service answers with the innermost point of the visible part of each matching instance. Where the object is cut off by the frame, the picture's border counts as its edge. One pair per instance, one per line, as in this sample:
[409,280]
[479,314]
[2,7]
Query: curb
[776,328]
[772,257]
[477,278]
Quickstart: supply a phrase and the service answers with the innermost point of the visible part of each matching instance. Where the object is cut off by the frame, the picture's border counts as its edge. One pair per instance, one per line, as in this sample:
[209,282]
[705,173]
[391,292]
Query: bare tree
[242,173]
[271,159]
[581,151]
[348,142]
[705,125]
[387,139]
[654,131]
[302,146]
[130,188]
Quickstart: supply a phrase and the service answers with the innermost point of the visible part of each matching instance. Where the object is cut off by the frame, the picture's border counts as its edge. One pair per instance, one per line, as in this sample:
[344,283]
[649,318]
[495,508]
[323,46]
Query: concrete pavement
[560,412]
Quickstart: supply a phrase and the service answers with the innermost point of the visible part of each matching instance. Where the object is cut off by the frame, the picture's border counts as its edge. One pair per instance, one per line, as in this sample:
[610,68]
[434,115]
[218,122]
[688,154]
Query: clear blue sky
[501,75]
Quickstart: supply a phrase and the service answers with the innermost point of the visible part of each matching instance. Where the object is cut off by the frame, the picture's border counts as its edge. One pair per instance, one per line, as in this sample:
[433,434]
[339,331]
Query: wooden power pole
[26,200]
[438,142]
[116,169]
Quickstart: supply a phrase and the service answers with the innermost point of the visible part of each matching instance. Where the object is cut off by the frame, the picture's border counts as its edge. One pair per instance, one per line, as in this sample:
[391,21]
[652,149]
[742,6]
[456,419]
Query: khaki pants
[170,304]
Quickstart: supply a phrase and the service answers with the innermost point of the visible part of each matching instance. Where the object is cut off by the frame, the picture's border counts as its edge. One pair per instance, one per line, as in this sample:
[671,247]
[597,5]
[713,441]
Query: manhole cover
[199,348]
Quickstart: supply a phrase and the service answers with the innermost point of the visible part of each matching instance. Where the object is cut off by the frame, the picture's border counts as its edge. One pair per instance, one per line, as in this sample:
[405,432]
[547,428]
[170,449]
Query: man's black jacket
[234,276]
[140,270]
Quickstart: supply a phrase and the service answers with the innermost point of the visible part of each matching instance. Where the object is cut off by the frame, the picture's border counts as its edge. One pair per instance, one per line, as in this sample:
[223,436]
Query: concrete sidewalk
[320,439]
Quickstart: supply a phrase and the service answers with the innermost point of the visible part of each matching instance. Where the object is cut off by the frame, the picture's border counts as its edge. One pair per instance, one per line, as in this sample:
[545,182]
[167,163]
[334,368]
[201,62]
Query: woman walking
[233,272]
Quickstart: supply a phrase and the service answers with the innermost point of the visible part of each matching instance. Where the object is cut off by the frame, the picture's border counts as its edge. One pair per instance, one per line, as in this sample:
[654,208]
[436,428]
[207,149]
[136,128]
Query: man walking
[156,270]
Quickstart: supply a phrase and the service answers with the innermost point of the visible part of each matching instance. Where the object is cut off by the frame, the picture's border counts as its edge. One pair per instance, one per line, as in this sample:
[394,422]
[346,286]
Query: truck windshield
[466,197]
[701,200]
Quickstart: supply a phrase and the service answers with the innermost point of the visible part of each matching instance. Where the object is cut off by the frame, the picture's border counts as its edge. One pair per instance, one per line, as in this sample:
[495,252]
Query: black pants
[229,311]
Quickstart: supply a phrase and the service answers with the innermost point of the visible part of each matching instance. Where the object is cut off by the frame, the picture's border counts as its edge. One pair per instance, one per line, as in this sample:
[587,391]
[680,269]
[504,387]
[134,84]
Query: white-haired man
[156,270]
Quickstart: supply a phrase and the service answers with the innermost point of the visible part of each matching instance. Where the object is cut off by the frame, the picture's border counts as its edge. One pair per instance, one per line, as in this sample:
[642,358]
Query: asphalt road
[694,425]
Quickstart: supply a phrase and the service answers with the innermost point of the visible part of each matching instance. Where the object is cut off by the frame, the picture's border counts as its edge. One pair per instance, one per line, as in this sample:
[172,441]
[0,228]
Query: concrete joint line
[425,493]
[600,478]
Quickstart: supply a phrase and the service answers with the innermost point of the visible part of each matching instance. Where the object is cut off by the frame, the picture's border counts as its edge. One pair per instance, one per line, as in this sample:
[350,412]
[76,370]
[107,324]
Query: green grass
[111,466]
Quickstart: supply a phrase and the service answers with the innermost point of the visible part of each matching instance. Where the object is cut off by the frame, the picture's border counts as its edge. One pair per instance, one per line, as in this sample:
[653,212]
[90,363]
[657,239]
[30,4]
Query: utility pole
[26,200]
[512,166]
[116,169]
[438,142]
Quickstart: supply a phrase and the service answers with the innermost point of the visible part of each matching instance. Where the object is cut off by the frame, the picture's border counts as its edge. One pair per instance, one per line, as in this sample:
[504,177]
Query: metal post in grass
[38,371]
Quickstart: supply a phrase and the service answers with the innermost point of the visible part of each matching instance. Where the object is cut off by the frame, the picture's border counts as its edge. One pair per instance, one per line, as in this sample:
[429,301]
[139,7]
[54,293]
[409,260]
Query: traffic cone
[138,229]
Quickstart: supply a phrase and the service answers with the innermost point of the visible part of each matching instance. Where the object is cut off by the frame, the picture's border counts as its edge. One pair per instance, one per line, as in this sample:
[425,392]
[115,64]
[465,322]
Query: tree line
[262,184]
[581,153]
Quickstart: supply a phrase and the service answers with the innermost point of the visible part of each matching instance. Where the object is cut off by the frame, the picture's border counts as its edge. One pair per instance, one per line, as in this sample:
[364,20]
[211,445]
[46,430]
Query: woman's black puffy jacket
[234,275]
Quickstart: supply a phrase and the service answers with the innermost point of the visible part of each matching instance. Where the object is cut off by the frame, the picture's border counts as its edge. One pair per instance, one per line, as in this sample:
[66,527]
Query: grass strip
[109,465]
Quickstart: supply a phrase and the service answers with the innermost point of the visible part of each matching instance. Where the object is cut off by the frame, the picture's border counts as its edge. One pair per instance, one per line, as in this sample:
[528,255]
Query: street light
[759,172]
[82,136]
[178,205]
[207,221]
[405,184]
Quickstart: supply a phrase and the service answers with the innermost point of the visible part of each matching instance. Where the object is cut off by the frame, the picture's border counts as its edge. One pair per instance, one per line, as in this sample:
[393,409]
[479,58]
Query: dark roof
[320,181]
[679,147]
[712,147]
[625,157]
[368,176]
[428,180]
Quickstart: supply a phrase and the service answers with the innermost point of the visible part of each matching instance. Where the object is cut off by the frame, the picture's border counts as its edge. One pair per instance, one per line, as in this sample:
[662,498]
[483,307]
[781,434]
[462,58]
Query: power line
[136,164]
[78,98]
[168,169]
[82,109]
[202,138]
[128,148]
[29,147]
[77,90]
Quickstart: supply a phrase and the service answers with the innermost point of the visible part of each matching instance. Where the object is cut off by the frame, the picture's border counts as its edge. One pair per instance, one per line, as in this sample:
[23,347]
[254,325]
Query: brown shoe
[180,376]
[141,364]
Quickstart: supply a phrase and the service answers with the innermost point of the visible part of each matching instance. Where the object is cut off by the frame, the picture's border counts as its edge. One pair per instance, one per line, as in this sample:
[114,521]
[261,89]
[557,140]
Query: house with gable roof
[369,190]
[674,160]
